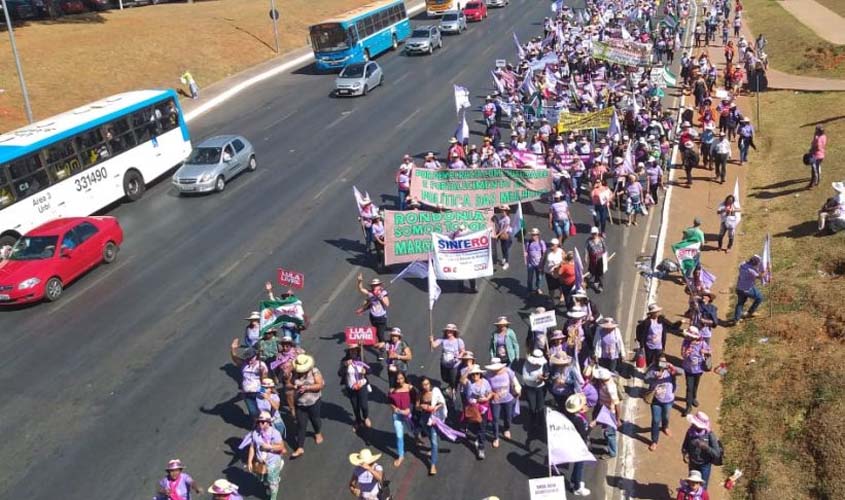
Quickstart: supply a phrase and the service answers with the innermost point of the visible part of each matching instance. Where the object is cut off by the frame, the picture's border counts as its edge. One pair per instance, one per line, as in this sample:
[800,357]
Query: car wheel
[381,79]
[395,43]
[220,184]
[440,44]
[252,164]
[431,49]
[133,185]
[366,89]
[53,289]
[110,252]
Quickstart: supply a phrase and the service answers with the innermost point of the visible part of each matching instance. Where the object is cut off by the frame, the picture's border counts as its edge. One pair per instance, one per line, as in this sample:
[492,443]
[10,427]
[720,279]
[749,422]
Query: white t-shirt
[367,483]
[553,259]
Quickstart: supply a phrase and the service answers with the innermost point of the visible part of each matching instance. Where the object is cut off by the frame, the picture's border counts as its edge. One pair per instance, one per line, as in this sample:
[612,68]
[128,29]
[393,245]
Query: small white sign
[542,321]
[501,63]
[547,488]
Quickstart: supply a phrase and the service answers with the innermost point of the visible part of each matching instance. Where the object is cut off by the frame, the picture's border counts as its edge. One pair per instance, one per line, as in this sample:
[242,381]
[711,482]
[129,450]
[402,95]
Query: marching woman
[282,368]
[252,371]
[367,477]
[477,408]
[264,458]
[576,411]
[693,353]
[565,379]
[503,342]
[402,397]
[661,390]
[224,490]
[651,333]
[398,355]
[452,347]
[506,390]
[307,383]
[268,401]
[432,412]
[354,372]
[177,484]
[535,371]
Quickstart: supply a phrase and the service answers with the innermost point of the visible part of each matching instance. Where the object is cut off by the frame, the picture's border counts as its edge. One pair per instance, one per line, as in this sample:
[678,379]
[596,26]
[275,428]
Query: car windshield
[353,71]
[473,5]
[419,34]
[34,248]
[450,17]
[204,156]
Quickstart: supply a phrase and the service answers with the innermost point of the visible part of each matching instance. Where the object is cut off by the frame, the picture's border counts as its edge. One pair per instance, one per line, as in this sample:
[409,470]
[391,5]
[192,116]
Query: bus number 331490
[84,182]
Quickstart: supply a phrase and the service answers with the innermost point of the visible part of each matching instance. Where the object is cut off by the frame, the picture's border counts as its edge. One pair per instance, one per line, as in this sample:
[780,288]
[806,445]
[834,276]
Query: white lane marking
[337,291]
[406,75]
[339,119]
[91,284]
[340,178]
[270,73]
[408,118]
[473,306]
[283,118]
[213,282]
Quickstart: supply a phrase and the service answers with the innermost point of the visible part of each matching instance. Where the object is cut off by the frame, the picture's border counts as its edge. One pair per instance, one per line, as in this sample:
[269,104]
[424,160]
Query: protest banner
[540,322]
[363,335]
[547,488]
[292,279]
[407,235]
[479,188]
[568,122]
[625,53]
[463,257]
[565,444]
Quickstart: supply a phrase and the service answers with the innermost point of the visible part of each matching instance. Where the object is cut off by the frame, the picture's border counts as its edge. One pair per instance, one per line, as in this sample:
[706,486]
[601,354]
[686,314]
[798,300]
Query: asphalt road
[131,367]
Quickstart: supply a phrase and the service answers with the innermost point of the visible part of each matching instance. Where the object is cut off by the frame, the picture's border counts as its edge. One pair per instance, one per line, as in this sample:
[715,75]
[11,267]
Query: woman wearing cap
[353,373]
[477,413]
[693,353]
[377,303]
[252,332]
[535,372]
[402,396]
[660,378]
[252,371]
[651,333]
[596,252]
[177,484]
[308,384]
[506,390]
[264,456]
[746,139]
[729,213]
[560,217]
[224,490]
[398,354]
[452,347]
[367,476]
[503,234]
[701,446]
[575,409]
[503,342]
[692,488]
[608,346]
[268,402]
[431,416]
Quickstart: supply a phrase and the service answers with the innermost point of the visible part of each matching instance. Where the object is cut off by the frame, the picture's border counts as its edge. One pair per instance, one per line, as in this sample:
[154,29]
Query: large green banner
[407,235]
[479,188]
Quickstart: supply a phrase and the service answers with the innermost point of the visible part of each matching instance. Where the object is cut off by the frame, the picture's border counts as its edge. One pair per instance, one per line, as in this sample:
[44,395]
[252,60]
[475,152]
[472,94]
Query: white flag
[461,98]
[564,442]
[766,260]
[462,132]
[360,199]
[416,269]
[737,205]
[615,130]
[519,50]
[518,218]
[499,85]
[433,287]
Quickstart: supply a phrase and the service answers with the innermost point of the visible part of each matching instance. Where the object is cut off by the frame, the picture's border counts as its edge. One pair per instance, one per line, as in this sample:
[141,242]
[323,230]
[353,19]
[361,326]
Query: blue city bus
[360,35]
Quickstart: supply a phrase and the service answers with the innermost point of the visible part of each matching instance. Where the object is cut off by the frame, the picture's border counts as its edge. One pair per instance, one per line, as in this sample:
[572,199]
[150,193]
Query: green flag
[276,312]
[688,253]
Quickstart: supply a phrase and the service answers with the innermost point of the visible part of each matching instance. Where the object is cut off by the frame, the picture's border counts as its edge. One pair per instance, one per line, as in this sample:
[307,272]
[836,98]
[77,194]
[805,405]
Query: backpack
[719,459]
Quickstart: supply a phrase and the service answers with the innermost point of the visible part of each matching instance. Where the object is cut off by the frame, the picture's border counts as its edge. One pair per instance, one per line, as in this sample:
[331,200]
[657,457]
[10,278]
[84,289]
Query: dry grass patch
[837,6]
[783,397]
[78,59]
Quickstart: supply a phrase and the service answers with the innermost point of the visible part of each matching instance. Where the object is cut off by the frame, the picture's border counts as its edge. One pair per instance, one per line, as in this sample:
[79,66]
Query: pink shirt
[819,145]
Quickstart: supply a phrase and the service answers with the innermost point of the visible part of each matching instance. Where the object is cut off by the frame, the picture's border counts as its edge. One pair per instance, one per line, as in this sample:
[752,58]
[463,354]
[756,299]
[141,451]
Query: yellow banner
[568,122]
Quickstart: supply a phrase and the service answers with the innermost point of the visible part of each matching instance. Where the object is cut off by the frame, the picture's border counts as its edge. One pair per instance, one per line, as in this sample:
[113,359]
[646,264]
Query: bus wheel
[395,43]
[133,185]
[220,184]
[53,289]
[110,252]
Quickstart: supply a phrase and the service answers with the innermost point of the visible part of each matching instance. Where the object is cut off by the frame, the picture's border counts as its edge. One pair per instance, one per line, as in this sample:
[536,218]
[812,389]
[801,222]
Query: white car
[358,79]
[497,3]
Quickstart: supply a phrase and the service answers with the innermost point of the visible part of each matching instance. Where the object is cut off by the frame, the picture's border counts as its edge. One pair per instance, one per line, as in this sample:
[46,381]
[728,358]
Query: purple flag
[707,279]
[579,269]
[448,432]
[606,418]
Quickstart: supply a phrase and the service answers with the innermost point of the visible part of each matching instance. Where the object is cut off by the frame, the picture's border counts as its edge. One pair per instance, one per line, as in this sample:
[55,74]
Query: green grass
[794,48]
[781,413]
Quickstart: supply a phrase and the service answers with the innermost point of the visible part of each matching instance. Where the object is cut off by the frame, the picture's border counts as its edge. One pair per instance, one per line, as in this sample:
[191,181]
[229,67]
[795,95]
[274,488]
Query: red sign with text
[292,279]
[365,335]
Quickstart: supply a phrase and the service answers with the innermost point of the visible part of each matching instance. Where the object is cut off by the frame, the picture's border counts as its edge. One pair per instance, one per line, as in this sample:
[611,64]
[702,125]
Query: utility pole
[274,16]
[26,105]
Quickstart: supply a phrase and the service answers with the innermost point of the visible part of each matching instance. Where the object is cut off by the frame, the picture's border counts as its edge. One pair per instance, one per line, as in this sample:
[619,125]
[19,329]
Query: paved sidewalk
[826,23]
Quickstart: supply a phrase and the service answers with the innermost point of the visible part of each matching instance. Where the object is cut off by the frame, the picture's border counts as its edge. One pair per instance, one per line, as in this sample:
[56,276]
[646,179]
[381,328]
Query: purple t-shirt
[560,210]
[501,385]
[182,485]
[535,250]
[634,189]
[654,174]
[478,390]
[661,383]
[693,356]
[449,354]
[654,338]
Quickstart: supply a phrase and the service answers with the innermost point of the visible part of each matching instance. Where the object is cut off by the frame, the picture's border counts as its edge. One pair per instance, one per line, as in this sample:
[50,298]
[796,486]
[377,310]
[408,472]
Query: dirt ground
[78,59]
[837,6]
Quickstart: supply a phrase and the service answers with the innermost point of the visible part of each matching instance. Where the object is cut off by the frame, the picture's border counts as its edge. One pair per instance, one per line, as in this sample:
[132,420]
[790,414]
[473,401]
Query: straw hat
[451,327]
[475,369]
[536,357]
[264,416]
[395,332]
[580,294]
[287,339]
[699,420]
[255,316]
[557,335]
[505,208]
[576,313]
[602,374]
[554,241]
[268,382]
[608,323]
[174,464]
[839,187]
[502,320]
[535,231]
[375,281]
[495,365]
[576,402]
[560,359]
[303,363]
[653,308]
[692,332]
[222,487]
[365,456]
[468,355]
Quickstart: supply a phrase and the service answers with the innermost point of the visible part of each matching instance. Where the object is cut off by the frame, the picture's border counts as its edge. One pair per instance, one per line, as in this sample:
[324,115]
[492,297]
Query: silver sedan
[214,163]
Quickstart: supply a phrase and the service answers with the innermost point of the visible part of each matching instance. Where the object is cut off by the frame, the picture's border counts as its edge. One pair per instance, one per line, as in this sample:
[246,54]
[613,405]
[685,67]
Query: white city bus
[80,161]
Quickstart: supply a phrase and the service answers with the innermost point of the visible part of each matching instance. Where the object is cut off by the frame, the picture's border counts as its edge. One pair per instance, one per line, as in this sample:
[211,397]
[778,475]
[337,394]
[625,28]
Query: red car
[55,253]
[476,10]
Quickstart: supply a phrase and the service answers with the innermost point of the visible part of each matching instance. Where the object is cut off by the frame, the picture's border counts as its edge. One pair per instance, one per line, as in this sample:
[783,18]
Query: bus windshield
[329,37]
[34,248]
[204,156]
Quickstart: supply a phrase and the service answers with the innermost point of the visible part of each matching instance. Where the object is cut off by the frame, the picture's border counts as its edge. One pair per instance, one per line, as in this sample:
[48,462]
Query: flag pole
[430,327]
[522,233]
[549,451]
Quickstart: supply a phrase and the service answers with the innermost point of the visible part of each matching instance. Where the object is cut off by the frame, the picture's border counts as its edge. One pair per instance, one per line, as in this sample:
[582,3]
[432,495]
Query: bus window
[141,123]
[122,137]
[89,146]
[62,161]
[31,184]
[6,195]
[169,115]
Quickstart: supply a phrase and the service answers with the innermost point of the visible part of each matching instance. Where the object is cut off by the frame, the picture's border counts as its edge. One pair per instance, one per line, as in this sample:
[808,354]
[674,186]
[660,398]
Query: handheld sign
[363,335]
[547,488]
[501,63]
[540,322]
[290,278]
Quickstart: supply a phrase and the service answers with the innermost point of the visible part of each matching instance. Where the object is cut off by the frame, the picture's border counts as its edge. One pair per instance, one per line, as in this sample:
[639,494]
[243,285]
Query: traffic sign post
[274,17]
